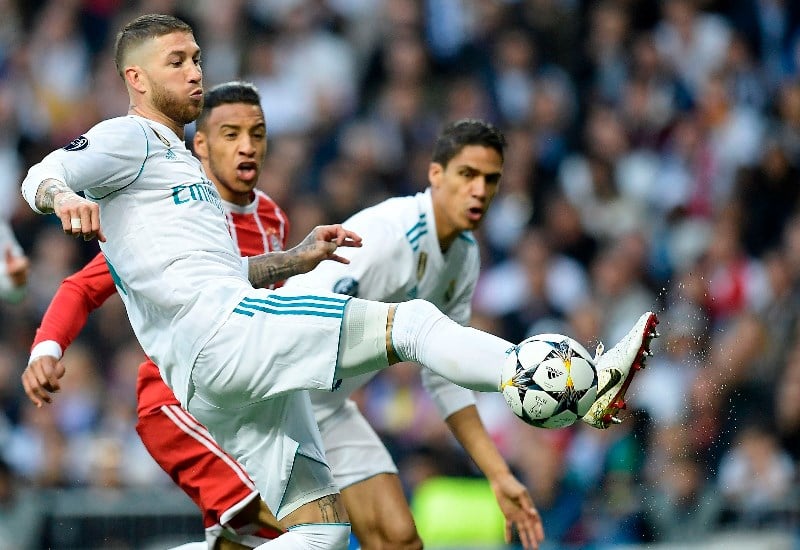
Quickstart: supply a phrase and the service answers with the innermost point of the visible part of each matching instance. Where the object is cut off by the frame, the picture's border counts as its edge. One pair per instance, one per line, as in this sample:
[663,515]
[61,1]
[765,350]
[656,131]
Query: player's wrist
[46,348]
[47,193]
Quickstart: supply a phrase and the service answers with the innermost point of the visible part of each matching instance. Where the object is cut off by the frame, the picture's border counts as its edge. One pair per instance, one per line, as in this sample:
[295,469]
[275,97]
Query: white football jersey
[401,260]
[169,251]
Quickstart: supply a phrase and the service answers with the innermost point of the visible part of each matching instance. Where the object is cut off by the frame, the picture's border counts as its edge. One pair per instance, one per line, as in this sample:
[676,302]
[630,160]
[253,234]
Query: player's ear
[435,171]
[134,78]
[200,145]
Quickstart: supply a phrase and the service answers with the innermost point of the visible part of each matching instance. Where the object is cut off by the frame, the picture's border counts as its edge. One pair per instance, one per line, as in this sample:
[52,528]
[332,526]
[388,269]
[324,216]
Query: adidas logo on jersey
[170,155]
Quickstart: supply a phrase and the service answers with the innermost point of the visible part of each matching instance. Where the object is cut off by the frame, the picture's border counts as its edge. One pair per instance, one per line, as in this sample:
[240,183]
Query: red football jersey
[259,227]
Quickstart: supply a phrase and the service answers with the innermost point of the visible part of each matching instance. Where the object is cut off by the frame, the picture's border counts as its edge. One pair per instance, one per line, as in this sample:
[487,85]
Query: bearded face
[168,78]
[181,108]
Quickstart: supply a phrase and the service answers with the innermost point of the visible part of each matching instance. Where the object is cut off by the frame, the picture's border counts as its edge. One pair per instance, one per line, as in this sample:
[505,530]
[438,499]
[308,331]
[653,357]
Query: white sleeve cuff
[447,396]
[30,185]
[48,347]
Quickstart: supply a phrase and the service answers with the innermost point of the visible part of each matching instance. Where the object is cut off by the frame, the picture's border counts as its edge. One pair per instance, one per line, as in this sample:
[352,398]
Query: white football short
[246,387]
[273,439]
[274,341]
[353,449]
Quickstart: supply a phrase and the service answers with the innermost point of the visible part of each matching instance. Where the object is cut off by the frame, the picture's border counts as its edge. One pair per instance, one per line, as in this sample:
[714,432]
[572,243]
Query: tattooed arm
[273,267]
[79,216]
[319,245]
[47,192]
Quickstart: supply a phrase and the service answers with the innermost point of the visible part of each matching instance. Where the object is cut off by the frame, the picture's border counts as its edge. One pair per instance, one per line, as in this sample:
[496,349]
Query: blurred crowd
[654,149]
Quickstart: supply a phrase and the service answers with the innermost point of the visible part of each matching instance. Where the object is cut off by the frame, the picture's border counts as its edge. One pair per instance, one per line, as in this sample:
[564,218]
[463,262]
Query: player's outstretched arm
[513,498]
[79,294]
[79,216]
[319,245]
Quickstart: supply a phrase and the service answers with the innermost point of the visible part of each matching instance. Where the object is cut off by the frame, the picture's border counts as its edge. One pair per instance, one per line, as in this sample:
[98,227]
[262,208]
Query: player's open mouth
[475,214]
[246,171]
[196,94]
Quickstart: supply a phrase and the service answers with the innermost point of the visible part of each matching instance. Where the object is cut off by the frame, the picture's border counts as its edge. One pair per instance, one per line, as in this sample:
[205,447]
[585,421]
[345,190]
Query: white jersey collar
[425,201]
[162,130]
[241,209]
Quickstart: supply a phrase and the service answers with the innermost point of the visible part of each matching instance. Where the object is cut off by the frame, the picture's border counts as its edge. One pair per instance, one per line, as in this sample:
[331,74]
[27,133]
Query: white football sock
[311,536]
[466,356]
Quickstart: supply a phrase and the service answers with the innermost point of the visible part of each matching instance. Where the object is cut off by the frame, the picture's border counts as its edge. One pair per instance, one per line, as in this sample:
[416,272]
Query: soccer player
[14,275]
[231,142]
[418,247]
[237,357]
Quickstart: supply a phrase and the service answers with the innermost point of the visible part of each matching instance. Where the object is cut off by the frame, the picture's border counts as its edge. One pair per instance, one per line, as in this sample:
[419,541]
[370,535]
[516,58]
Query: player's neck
[157,116]
[239,200]
[446,238]
[445,232]
[226,192]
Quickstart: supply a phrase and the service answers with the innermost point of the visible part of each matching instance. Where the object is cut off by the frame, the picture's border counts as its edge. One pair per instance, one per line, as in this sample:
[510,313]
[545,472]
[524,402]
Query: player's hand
[517,507]
[79,216]
[322,242]
[41,378]
[16,268]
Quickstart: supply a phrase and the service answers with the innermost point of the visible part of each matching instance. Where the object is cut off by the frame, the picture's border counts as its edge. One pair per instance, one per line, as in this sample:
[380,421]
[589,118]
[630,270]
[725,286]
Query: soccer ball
[549,380]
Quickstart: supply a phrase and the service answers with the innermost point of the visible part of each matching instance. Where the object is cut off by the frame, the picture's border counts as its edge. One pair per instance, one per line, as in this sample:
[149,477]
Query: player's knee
[421,308]
[395,538]
[382,535]
[403,537]
[416,317]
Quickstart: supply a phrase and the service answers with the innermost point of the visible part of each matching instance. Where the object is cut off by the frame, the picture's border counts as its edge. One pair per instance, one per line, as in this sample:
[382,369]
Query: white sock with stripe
[466,356]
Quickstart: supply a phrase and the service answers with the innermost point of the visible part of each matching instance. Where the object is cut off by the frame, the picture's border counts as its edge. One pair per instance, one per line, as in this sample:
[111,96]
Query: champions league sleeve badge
[81,142]
[347,286]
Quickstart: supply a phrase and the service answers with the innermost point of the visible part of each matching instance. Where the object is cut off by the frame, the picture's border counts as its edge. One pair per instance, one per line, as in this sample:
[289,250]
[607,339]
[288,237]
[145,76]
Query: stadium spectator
[421,248]
[14,275]
[22,518]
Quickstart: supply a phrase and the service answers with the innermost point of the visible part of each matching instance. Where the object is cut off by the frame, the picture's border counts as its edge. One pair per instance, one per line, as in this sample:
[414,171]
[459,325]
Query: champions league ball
[549,380]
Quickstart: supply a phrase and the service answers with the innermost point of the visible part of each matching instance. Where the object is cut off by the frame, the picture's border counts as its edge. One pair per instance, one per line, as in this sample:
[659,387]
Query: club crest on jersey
[275,243]
[347,286]
[421,265]
[81,142]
